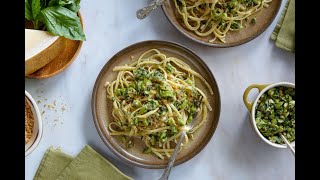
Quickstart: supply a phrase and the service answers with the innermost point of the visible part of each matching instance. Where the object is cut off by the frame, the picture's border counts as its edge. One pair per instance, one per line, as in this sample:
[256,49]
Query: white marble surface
[234,152]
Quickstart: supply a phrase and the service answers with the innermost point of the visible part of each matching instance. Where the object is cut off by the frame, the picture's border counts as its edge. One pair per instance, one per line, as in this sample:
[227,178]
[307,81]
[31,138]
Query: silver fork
[172,158]
[144,12]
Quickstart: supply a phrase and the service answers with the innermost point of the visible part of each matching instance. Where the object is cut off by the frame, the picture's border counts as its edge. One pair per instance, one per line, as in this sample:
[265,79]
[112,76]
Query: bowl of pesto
[273,112]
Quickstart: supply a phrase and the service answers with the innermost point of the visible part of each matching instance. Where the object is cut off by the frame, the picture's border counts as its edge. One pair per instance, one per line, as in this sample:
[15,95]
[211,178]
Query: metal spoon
[144,12]
[288,144]
[167,170]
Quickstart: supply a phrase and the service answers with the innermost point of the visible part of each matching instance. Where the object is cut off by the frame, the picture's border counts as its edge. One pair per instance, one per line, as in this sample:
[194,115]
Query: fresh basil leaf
[44,3]
[60,2]
[61,21]
[75,6]
[27,10]
[36,7]
[53,3]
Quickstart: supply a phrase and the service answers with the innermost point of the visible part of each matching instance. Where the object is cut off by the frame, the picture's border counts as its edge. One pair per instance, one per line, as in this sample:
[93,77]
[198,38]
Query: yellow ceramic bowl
[251,106]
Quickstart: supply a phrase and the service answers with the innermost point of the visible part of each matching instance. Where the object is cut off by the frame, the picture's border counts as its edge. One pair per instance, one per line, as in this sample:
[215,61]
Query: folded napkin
[284,32]
[87,165]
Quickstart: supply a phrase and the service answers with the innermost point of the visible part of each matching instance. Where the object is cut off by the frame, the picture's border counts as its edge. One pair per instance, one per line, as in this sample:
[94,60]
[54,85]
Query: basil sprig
[58,17]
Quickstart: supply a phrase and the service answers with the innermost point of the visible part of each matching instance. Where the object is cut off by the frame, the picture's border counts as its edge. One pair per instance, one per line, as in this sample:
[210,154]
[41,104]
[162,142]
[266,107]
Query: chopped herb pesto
[275,113]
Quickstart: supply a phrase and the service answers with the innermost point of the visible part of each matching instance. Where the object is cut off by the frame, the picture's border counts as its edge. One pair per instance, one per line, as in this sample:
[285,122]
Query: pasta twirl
[217,17]
[153,98]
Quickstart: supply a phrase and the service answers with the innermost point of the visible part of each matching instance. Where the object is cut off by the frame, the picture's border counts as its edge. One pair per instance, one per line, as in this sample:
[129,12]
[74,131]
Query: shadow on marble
[250,149]
[283,54]
[47,84]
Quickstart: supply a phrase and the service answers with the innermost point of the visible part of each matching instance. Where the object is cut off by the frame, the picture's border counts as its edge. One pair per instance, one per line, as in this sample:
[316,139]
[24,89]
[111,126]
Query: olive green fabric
[87,165]
[53,163]
[284,32]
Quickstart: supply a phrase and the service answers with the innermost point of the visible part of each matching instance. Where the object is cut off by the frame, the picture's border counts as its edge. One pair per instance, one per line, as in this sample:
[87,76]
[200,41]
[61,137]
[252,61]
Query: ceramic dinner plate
[102,107]
[264,19]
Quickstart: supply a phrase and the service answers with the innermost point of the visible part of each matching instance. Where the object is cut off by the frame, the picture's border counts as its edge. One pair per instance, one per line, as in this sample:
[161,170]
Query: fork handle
[144,12]
[166,172]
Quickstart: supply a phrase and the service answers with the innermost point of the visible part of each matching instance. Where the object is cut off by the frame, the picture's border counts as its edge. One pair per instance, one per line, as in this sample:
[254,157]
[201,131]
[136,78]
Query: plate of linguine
[145,96]
[221,23]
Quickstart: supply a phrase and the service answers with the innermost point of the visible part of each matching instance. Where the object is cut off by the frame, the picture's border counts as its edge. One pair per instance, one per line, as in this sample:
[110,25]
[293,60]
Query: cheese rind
[40,48]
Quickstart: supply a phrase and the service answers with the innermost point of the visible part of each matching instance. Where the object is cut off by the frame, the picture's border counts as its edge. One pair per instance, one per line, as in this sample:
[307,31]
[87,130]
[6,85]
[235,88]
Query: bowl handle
[248,104]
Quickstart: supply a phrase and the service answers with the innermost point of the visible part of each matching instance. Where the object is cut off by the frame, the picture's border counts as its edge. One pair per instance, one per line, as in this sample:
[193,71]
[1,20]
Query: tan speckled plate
[102,107]
[264,19]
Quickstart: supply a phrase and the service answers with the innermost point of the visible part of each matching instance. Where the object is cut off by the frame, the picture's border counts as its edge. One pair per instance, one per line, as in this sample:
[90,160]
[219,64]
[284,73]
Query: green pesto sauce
[275,113]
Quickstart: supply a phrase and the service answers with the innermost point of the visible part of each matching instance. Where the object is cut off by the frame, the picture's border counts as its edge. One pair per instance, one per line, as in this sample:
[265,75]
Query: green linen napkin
[284,32]
[53,163]
[87,165]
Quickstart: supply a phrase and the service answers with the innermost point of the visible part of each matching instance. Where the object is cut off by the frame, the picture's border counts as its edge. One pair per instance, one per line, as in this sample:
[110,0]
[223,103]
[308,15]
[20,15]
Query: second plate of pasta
[145,96]
[221,23]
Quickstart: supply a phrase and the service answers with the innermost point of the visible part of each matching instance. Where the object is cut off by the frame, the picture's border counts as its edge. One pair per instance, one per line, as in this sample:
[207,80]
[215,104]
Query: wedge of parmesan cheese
[40,48]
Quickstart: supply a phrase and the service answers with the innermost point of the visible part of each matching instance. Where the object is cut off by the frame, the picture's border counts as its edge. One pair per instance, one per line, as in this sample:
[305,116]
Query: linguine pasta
[217,17]
[153,98]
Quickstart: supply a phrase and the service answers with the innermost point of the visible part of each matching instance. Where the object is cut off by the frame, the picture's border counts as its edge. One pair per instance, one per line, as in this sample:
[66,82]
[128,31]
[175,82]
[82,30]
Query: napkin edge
[41,165]
[76,161]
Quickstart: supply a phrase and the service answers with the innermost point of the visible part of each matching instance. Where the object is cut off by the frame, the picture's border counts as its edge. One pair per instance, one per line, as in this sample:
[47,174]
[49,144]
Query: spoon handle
[288,144]
[166,172]
[144,12]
